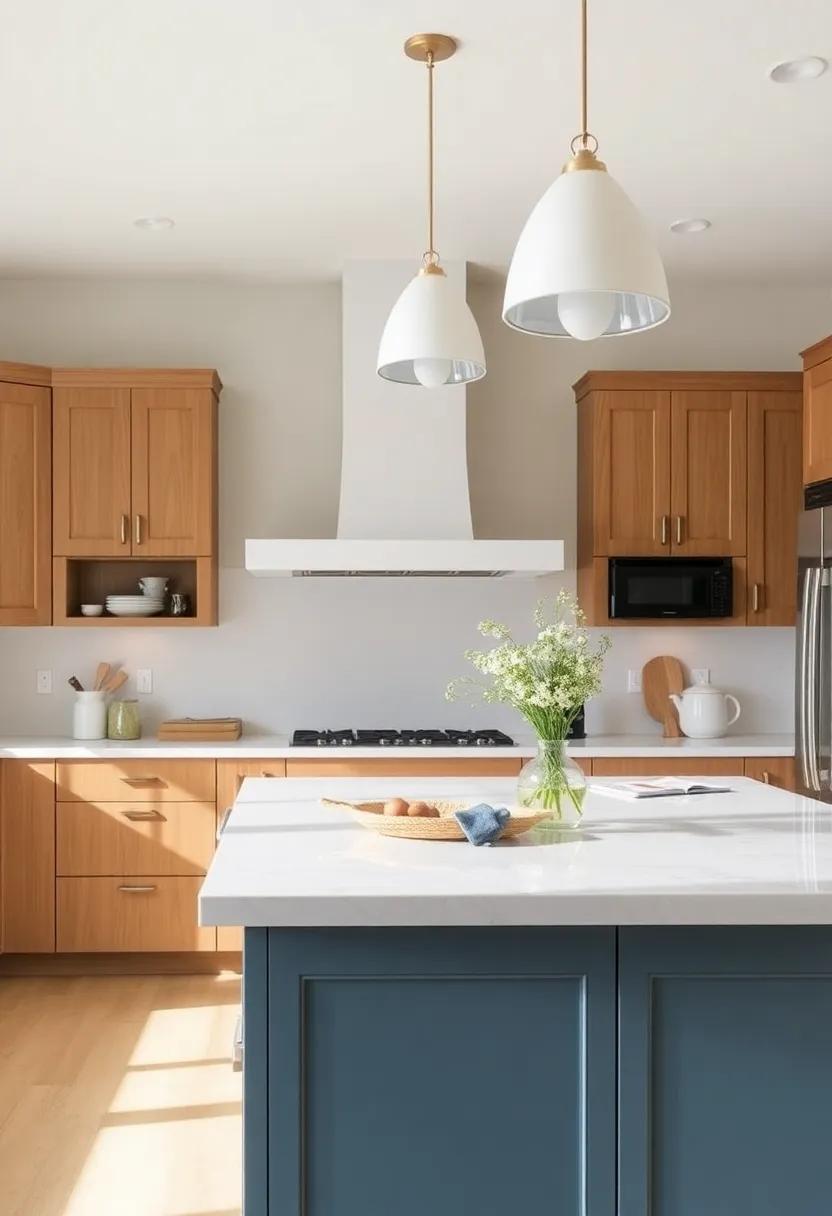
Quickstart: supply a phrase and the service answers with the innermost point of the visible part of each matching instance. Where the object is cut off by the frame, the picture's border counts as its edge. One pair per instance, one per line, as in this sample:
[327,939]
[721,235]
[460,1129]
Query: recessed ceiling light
[153,223]
[791,71]
[692,225]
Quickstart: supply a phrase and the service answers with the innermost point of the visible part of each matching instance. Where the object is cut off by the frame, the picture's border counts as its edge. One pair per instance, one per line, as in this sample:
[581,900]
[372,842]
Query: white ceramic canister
[89,716]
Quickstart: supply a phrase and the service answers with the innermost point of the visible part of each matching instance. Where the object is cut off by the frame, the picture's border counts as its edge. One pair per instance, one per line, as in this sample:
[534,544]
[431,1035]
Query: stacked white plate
[134,605]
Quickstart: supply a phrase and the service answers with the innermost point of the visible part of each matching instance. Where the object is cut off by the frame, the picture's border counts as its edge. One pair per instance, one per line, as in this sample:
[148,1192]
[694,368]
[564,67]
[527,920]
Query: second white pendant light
[585,265]
[431,337]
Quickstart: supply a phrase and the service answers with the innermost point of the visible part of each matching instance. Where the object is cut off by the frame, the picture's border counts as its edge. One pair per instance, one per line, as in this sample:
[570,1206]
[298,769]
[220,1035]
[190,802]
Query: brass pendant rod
[431,158]
[584,121]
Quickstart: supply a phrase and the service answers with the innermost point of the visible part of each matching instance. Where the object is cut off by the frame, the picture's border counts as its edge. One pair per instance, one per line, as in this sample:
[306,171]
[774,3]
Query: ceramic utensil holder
[123,720]
[89,716]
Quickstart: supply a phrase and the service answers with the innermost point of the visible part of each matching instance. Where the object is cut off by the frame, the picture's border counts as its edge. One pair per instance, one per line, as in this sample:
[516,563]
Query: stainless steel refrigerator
[813,683]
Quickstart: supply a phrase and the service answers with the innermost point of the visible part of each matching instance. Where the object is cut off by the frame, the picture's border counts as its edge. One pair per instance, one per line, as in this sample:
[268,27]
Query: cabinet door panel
[708,471]
[631,473]
[25,505]
[91,472]
[817,423]
[27,857]
[174,448]
[671,766]
[772,770]
[725,1071]
[774,504]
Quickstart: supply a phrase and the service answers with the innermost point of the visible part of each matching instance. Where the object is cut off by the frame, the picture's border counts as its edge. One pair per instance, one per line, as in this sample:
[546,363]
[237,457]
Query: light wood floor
[117,1096]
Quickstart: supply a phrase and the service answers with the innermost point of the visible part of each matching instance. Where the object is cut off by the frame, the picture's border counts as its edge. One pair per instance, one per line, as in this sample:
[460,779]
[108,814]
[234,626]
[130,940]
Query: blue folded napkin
[482,824]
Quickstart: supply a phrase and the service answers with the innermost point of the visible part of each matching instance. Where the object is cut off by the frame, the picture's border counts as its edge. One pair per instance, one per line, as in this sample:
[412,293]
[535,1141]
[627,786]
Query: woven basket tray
[371,815]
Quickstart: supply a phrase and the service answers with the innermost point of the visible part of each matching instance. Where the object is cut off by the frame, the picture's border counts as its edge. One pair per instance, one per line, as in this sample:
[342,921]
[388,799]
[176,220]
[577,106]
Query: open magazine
[658,787]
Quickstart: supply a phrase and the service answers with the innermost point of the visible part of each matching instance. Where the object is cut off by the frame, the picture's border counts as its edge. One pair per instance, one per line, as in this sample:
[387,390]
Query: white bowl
[92,609]
[134,609]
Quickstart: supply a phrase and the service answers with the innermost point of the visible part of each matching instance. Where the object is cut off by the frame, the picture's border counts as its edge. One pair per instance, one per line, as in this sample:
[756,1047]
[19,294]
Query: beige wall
[324,653]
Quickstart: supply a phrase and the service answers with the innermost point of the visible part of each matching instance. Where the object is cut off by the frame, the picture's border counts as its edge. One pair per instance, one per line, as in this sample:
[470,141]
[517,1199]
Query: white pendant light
[585,265]
[431,337]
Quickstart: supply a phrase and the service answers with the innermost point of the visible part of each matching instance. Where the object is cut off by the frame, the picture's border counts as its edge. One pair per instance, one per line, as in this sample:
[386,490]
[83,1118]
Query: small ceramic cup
[92,609]
[153,585]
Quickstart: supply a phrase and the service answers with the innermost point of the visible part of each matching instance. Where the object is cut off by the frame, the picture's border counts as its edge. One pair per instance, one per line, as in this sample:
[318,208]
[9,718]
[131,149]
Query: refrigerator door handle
[807,692]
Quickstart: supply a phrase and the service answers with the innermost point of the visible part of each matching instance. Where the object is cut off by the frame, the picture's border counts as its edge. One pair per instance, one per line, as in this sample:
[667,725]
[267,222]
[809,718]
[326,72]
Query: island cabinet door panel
[725,1066]
[174,449]
[439,1071]
[91,459]
[708,462]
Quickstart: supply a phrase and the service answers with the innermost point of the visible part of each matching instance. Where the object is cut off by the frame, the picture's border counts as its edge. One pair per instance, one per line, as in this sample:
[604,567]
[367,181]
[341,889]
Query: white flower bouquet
[546,680]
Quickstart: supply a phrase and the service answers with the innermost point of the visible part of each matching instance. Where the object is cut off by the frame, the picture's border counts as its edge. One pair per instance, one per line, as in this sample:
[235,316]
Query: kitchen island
[636,1019]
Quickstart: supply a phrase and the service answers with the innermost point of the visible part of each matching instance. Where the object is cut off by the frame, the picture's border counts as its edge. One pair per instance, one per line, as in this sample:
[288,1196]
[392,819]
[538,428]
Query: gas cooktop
[401,738]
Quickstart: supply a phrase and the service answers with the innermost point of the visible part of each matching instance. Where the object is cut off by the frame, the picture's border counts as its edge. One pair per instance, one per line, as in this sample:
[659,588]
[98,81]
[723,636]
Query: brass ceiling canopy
[427,47]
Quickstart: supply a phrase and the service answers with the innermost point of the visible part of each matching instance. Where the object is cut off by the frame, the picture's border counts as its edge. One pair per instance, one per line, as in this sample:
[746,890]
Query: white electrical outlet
[634,680]
[700,675]
[144,679]
[44,682]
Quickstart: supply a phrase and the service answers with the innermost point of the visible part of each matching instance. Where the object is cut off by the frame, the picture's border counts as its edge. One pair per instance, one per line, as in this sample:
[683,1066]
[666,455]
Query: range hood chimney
[404,508]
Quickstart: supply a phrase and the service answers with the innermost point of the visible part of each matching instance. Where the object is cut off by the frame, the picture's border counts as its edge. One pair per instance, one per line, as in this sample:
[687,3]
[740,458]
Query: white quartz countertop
[273,747]
[756,855]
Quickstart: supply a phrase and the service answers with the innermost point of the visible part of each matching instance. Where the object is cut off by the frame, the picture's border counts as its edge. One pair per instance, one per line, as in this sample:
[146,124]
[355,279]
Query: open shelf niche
[89,580]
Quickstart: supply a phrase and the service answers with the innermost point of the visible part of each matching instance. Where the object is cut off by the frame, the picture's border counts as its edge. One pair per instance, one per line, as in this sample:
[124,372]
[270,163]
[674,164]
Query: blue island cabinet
[429,1072]
[488,1072]
[725,1062]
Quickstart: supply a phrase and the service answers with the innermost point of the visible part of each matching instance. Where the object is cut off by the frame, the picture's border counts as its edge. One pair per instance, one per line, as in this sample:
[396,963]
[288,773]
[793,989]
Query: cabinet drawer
[670,766]
[118,914]
[497,767]
[136,781]
[112,838]
[229,937]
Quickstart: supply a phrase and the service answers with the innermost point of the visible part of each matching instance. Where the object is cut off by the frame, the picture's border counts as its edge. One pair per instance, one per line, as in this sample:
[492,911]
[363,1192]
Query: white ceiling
[285,136]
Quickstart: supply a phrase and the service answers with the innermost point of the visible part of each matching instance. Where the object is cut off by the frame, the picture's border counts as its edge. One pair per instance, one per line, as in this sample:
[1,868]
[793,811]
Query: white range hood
[404,508]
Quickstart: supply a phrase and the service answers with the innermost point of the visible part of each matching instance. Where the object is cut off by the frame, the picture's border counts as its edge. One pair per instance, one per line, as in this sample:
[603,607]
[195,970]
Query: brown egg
[396,806]
[421,810]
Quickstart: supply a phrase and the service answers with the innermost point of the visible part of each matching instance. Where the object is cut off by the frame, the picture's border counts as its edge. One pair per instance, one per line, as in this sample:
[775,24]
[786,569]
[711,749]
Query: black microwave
[653,588]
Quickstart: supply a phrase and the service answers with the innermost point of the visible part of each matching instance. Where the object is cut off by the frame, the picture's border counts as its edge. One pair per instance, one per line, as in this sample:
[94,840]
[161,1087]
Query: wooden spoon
[115,681]
[102,671]
[659,678]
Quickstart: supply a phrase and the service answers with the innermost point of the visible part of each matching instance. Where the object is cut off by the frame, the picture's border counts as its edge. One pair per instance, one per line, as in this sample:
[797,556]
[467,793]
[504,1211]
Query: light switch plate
[700,675]
[634,680]
[144,679]
[44,681]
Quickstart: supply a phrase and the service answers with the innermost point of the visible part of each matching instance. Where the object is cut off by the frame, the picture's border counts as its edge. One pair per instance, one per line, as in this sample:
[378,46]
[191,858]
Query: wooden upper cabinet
[92,472]
[25,498]
[774,504]
[708,462]
[630,457]
[173,471]
[817,412]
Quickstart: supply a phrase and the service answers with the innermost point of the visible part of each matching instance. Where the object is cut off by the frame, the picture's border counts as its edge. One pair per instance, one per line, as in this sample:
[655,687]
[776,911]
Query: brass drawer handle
[766,777]
[142,780]
[125,524]
[665,522]
[138,529]
[755,597]
[138,816]
[678,529]
[136,889]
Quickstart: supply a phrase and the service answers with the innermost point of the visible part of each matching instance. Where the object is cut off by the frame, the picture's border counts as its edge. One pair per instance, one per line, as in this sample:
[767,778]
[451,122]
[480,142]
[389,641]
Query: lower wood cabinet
[672,766]
[27,857]
[463,767]
[773,770]
[140,912]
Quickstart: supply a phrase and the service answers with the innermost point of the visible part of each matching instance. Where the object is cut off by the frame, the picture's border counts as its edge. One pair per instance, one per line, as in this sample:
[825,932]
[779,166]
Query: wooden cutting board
[659,678]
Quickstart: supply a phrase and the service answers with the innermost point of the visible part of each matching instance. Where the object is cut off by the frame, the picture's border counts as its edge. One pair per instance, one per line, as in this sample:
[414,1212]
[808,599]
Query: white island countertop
[277,747]
[757,855]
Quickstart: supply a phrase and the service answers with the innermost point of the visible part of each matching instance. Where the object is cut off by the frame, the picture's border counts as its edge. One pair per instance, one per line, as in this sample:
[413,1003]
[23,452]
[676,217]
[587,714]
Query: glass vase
[553,782]
[123,720]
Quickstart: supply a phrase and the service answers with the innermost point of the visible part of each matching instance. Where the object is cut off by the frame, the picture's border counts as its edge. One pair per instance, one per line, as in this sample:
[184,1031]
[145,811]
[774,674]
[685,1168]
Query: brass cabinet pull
[766,776]
[665,522]
[755,597]
[135,889]
[142,780]
[678,529]
[125,524]
[139,816]
[138,524]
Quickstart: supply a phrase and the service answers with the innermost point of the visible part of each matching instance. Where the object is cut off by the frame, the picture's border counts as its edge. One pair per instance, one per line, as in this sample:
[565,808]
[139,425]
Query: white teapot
[703,711]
